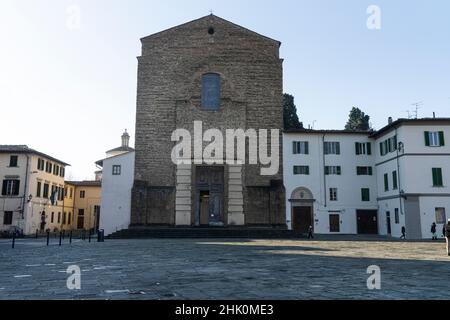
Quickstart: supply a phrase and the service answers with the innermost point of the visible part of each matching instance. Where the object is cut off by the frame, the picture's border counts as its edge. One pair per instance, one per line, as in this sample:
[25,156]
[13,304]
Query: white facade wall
[34,206]
[414,165]
[115,210]
[348,184]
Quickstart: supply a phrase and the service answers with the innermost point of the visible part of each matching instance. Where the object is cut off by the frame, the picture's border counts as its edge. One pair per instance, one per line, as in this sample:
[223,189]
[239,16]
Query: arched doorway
[302,213]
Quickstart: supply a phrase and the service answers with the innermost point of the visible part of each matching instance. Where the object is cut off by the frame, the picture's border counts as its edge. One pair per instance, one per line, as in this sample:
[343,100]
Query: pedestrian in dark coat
[310,233]
[433,231]
[403,233]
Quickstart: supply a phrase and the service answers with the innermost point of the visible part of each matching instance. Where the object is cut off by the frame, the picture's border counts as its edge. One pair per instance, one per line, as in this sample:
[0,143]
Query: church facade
[226,77]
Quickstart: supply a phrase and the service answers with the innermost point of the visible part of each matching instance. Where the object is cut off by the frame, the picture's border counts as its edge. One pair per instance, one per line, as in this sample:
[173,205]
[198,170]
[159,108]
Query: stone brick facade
[169,97]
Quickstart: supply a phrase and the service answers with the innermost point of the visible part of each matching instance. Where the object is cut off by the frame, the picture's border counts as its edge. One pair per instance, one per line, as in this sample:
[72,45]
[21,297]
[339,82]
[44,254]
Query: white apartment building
[117,182]
[32,194]
[330,182]
[413,173]
[376,182]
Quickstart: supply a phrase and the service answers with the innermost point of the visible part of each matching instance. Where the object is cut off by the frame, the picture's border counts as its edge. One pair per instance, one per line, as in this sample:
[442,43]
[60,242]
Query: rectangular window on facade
[70,193]
[363,148]
[52,218]
[434,139]
[38,190]
[40,164]
[389,145]
[303,170]
[437,177]
[59,217]
[333,170]
[46,189]
[333,194]
[56,170]
[300,147]
[394,180]
[397,216]
[81,212]
[64,218]
[11,187]
[69,219]
[364,171]
[13,161]
[211,91]
[116,170]
[62,172]
[386,182]
[440,216]
[82,194]
[365,194]
[332,148]
[7,218]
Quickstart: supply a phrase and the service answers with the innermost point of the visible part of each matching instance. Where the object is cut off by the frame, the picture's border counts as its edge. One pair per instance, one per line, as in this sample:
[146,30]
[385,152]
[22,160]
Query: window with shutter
[437,177]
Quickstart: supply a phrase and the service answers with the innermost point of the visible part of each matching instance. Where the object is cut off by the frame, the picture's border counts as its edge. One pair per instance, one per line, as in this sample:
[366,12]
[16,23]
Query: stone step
[211,233]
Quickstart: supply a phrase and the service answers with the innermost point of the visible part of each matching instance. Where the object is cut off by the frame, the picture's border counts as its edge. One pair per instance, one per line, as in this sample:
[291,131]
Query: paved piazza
[224,269]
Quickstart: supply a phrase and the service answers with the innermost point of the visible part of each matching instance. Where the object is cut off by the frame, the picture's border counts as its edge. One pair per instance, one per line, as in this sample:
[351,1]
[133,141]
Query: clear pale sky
[69,90]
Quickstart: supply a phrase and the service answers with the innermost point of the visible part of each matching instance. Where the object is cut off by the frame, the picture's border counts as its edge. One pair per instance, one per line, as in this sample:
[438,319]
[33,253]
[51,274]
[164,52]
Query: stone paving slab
[216,269]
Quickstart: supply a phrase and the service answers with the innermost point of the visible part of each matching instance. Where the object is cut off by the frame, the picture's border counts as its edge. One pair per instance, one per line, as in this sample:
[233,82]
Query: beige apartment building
[32,190]
[83,200]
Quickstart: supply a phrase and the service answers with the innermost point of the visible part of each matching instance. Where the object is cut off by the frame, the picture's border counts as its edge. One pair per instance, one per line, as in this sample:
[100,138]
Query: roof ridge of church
[209,16]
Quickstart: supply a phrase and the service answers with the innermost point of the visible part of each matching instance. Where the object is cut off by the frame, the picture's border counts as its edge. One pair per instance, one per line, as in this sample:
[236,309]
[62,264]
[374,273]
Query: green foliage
[290,116]
[358,120]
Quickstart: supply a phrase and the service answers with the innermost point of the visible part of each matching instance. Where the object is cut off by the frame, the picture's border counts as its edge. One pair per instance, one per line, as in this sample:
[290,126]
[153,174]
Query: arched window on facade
[211,91]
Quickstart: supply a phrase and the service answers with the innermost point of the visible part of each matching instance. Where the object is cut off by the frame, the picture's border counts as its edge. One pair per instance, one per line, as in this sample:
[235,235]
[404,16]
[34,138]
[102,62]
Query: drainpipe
[25,191]
[398,176]
[324,175]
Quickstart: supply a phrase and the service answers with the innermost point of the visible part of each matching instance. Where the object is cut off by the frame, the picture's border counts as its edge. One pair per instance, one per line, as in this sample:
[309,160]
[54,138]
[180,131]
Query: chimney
[125,139]
[434,115]
[390,120]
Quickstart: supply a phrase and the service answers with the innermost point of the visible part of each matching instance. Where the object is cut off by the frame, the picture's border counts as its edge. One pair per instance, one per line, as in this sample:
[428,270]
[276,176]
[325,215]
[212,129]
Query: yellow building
[82,204]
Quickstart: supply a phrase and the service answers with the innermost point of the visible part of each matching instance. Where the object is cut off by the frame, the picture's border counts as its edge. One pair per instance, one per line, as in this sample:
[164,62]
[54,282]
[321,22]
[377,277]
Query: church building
[227,77]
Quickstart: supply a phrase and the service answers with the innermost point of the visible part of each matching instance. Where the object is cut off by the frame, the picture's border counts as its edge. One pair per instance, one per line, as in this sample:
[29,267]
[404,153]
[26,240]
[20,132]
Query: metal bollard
[48,238]
[60,238]
[70,237]
[14,240]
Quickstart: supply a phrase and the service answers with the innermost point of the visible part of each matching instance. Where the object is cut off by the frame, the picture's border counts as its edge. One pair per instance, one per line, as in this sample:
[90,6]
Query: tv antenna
[414,114]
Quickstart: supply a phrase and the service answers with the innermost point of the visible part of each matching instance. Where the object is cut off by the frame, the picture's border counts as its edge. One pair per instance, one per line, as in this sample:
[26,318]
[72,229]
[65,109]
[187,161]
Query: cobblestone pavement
[221,269]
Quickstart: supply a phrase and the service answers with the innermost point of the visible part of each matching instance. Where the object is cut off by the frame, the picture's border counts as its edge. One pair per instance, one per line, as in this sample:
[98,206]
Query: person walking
[433,231]
[447,236]
[310,233]
[403,233]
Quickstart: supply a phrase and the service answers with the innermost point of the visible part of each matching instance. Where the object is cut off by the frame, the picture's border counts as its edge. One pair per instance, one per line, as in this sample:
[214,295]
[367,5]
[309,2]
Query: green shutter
[437,177]
[357,148]
[394,180]
[365,194]
[338,169]
[293,148]
[306,147]
[338,148]
[307,170]
[427,138]
[370,171]
[369,148]
[386,182]
[327,170]
[441,138]
[381,149]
